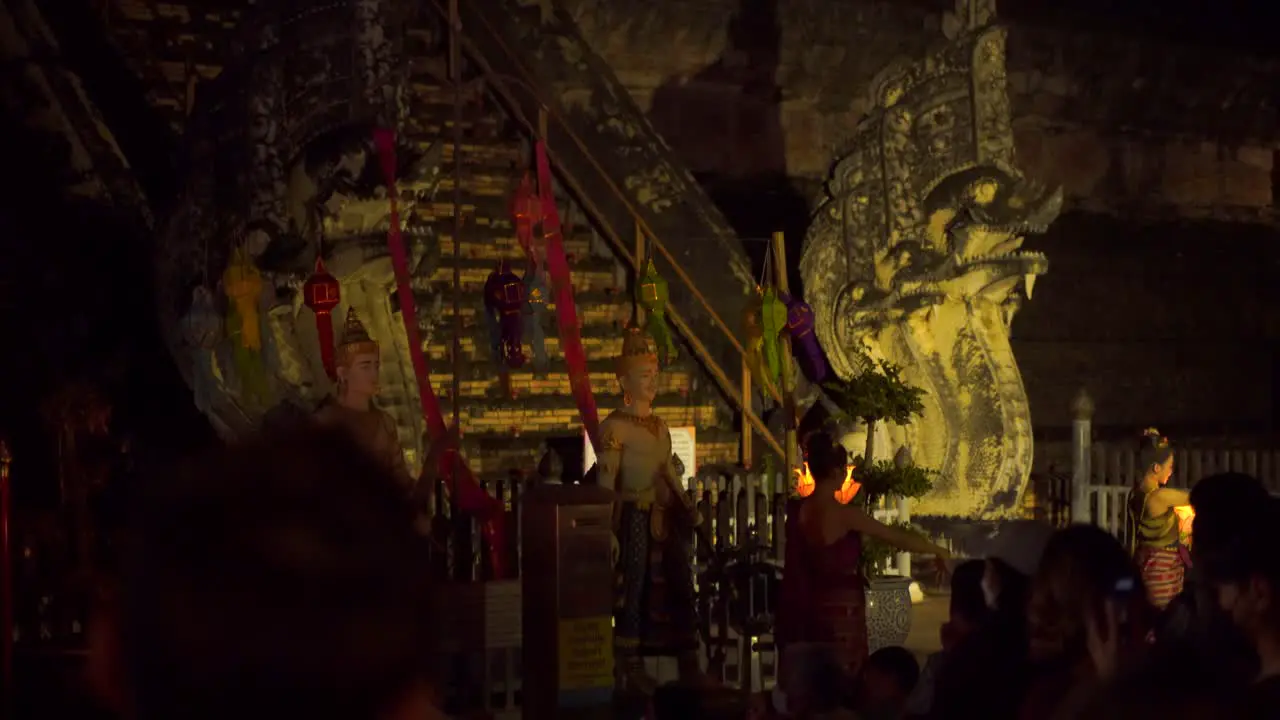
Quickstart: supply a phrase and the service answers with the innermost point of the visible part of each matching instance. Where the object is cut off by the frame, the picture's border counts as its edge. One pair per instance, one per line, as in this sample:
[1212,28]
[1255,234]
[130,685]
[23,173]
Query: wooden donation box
[567,587]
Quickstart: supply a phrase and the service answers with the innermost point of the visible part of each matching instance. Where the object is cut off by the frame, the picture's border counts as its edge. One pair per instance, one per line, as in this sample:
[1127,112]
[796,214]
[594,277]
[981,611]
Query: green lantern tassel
[652,296]
[773,320]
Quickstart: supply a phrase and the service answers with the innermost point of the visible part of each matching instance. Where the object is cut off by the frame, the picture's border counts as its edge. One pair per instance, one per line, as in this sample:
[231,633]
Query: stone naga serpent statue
[914,257]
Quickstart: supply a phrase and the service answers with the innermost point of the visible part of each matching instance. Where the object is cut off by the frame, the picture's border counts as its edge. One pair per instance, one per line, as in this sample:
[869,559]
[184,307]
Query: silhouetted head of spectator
[1218,501]
[1243,569]
[813,679]
[1013,555]
[1160,690]
[890,676]
[1083,568]
[968,604]
[281,577]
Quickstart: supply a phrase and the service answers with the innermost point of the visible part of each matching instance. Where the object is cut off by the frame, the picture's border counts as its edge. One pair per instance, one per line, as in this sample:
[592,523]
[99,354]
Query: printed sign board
[586,653]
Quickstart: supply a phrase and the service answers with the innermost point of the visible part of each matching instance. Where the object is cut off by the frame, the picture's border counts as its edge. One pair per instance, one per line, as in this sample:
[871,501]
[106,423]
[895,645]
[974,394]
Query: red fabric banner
[472,499]
[566,312]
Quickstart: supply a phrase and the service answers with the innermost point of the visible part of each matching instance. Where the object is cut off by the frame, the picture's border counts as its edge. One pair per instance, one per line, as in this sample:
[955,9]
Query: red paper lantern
[504,305]
[322,292]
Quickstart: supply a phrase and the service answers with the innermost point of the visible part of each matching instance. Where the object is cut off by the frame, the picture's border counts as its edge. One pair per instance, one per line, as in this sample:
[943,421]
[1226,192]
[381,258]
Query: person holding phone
[1086,585]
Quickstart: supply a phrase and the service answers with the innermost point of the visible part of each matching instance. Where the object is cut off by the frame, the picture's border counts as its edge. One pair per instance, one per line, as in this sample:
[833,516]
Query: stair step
[612,309]
[501,244]
[555,383]
[596,347]
[485,211]
[498,154]
[474,273]
[550,416]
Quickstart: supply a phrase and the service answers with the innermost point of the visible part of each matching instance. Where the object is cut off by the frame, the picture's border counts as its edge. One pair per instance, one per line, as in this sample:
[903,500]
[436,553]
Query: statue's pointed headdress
[635,351]
[355,340]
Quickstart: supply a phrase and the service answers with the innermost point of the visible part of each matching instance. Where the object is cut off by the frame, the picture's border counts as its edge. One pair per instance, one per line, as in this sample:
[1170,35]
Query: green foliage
[887,479]
[877,393]
[881,480]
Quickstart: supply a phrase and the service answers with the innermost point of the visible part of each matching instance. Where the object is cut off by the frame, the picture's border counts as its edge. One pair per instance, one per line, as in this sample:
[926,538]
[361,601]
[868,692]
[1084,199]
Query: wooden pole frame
[791,448]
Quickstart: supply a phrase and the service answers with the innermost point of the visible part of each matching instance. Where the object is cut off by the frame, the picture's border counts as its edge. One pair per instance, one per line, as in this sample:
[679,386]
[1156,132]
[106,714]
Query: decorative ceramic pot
[888,612]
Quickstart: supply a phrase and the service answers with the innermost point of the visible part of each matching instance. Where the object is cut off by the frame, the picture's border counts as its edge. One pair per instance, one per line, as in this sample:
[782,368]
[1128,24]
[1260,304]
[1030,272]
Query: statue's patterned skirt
[654,614]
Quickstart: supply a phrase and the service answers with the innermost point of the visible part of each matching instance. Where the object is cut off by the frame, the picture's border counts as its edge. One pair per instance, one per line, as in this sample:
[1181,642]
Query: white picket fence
[737,504]
[1103,473]
[723,495]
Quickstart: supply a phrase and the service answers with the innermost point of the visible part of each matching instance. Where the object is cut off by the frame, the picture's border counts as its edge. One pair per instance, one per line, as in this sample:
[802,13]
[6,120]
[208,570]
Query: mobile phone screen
[1120,597]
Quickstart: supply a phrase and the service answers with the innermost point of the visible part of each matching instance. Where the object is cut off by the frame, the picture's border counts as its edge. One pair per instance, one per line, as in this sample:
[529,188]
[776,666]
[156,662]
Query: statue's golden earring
[626,397]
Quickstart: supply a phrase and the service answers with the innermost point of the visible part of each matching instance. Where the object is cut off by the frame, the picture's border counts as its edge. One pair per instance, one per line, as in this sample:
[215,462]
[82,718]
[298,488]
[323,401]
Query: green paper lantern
[653,296]
[773,320]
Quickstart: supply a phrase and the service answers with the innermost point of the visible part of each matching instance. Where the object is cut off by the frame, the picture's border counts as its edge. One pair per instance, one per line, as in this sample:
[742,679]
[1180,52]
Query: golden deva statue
[357,364]
[652,524]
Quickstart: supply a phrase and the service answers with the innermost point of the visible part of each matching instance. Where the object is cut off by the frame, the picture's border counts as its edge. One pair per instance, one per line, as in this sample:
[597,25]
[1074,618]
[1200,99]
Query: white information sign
[684,445]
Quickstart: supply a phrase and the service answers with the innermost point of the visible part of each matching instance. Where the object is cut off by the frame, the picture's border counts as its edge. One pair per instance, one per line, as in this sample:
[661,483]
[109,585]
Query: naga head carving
[915,255]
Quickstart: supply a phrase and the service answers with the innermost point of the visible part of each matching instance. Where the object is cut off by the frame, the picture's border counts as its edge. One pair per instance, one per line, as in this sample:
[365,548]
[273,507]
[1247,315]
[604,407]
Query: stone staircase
[504,432]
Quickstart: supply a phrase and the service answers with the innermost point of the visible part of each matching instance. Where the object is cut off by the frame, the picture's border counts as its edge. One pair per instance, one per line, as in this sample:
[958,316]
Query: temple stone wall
[740,89]
[1158,294]
[1176,325]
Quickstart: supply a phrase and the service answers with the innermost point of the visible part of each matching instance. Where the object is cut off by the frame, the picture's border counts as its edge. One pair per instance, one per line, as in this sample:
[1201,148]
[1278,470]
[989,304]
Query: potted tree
[874,396]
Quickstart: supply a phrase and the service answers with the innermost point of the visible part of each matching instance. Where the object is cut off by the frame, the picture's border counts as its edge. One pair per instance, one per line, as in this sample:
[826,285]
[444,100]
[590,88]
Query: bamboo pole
[455,70]
[788,362]
[637,312]
[746,403]
[6,577]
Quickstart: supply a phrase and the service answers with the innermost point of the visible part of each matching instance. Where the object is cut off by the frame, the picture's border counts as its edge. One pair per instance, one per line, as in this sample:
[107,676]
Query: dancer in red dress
[823,597]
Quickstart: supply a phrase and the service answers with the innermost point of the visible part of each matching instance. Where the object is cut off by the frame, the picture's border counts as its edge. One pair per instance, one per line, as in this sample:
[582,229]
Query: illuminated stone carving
[282,165]
[914,257]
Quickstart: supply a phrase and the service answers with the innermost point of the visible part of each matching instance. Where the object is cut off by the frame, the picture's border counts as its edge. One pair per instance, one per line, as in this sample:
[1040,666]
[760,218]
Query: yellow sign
[586,653]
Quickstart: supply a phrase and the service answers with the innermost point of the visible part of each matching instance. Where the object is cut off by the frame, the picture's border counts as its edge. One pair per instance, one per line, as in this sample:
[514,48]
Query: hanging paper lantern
[322,292]
[535,309]
[653,296]
[201,328]
[504,306]
[755,342]
[242,284]
[803,339]
[773,320]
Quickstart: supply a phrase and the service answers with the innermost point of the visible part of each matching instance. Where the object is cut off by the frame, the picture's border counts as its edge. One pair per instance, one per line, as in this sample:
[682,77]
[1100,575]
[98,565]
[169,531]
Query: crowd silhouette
[281,577]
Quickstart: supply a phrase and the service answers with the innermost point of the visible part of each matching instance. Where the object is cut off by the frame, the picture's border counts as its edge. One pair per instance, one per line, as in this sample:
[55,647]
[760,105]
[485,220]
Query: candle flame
[805,484]
[1186,517]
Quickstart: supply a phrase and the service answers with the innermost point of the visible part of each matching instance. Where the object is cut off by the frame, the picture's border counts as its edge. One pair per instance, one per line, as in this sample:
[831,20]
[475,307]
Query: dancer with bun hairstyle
[823,597]
[1157,542]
